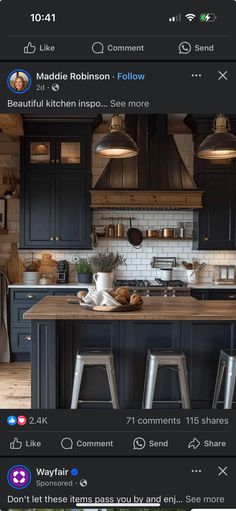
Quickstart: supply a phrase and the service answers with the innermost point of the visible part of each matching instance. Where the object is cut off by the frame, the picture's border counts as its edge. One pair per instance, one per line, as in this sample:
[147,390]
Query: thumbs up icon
[30,48]
[16,444]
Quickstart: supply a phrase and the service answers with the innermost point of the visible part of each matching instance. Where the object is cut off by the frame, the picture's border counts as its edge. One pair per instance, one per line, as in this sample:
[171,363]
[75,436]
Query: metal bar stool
[94,357]
[157,358]
[227,360]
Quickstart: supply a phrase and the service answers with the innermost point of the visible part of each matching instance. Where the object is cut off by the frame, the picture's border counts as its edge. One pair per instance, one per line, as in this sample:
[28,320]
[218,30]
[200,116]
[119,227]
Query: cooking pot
[166,274]
[135,236]
[167,232]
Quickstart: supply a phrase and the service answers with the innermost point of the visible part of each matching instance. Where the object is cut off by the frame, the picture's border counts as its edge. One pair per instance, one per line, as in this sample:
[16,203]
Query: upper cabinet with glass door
[59,153]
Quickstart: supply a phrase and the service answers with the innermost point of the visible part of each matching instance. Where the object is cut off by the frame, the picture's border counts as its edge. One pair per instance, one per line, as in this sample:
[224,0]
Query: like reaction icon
[16,444]
[11,420]
[30,48]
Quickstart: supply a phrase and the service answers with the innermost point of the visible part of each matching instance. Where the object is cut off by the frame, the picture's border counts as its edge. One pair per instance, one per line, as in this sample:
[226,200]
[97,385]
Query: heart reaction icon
[21,420]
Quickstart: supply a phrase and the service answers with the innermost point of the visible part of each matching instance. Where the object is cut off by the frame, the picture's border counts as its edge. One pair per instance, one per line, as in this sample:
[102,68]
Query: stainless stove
[156,287]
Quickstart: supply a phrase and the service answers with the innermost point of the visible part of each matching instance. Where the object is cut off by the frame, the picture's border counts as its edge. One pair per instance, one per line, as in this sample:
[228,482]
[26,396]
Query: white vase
[31,277]
[103,280]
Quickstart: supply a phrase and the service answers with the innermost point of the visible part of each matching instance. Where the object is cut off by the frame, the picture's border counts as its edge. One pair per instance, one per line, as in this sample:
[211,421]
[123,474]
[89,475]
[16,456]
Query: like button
[15,444]
[30,48]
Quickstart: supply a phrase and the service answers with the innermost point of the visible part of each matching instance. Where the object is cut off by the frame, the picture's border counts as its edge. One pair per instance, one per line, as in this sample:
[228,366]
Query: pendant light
[221,144]
[117,143]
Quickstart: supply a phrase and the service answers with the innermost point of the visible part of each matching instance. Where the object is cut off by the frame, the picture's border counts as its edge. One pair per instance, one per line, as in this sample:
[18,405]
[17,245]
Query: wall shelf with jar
[145,238]
[183,232]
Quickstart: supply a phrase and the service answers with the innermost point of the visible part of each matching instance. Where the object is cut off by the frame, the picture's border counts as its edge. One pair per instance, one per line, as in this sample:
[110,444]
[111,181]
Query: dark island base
[54,345]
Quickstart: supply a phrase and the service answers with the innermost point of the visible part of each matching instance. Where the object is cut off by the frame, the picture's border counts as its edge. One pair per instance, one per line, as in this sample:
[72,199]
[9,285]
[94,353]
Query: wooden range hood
[155,179]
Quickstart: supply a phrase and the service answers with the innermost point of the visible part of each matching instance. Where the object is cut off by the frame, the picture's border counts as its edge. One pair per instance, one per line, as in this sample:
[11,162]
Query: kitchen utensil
[192,276]
[31,264]
[120,230]
[166,274]
[62,272]
[135,236]
[201,266]
[167,232]
[31,278]
[14,267]
[46,279]
[196,264]
[163,262]
[187,266]
[48,266]
[111,230]
[104,280]
[100,230]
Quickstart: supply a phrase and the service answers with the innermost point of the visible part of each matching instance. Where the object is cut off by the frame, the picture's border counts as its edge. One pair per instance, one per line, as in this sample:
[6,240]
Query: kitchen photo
[117,261]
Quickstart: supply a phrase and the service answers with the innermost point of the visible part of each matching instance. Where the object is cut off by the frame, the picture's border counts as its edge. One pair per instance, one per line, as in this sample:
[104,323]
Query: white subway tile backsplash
[138,261]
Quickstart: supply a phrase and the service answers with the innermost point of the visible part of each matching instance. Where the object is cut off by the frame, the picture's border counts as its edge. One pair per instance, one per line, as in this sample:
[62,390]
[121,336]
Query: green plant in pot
[103,265]
[84,271]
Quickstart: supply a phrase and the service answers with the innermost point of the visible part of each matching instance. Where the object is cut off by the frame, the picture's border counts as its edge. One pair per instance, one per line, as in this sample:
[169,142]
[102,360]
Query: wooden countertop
[154,309]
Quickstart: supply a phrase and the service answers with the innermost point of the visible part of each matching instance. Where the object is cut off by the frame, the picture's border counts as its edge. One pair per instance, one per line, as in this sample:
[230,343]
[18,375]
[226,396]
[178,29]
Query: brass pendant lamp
[221,144]
[117,143]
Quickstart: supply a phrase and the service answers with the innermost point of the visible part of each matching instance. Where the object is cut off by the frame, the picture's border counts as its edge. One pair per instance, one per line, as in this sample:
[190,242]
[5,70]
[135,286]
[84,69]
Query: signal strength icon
[177,17]
[190,16]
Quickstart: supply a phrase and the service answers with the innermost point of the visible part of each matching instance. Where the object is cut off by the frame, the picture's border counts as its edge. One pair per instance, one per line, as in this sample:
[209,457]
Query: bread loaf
[135,299]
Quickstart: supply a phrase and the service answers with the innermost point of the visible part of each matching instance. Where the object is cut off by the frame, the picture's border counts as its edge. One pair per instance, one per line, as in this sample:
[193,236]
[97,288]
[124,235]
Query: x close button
[222,472]
[223,75]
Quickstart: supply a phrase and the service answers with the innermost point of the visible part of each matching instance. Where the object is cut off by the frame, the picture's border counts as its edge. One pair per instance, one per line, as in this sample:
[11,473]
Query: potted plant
[103,264]
[84,271]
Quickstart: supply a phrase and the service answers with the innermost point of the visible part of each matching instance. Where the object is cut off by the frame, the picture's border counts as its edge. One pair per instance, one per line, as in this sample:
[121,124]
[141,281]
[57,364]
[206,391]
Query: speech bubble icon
[139,443]
[98,47]
[67,443]
[185,48]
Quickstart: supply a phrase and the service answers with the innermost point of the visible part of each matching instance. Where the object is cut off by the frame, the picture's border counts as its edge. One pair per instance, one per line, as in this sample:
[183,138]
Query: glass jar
[45,279]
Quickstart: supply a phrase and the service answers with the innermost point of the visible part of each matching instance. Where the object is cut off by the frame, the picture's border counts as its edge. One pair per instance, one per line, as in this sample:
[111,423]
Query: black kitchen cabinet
[129,340]
[202,341]
[37,210]
[58,153]
[214,224]
[55,210]
[20,333]
[94,386]
[214,294]
[21,300]
[141,336]
[55,182]
[222,294]
[200,294]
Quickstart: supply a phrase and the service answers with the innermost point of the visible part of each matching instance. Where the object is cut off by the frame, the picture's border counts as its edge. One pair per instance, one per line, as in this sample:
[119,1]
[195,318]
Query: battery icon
[207,17]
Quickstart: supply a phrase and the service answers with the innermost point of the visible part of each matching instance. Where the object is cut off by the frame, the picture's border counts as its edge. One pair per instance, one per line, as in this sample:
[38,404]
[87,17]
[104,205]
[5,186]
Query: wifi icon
[190,17]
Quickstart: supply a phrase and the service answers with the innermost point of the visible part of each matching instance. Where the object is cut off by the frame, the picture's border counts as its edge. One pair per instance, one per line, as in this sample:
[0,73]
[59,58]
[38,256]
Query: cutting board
[14,266]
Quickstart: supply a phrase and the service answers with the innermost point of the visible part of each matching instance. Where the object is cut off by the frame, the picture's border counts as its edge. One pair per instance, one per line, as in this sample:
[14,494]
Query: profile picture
[19,81]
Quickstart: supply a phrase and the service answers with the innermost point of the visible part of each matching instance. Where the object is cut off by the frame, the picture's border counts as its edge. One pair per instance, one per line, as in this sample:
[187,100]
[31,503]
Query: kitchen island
[58,329]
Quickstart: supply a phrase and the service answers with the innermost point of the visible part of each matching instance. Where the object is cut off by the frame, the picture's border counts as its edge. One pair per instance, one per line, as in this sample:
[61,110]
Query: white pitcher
[103,280]
[192,276]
